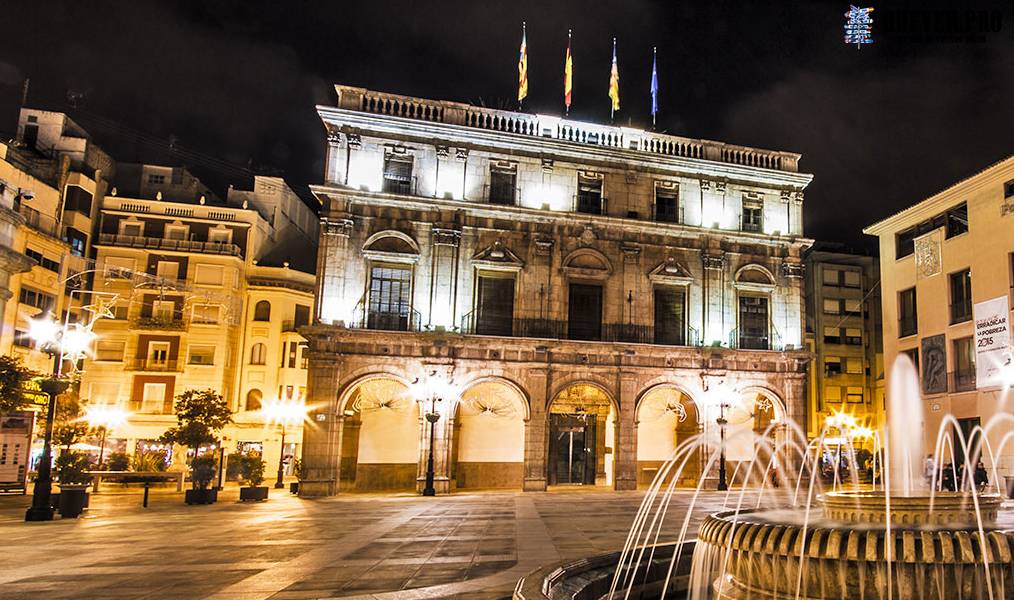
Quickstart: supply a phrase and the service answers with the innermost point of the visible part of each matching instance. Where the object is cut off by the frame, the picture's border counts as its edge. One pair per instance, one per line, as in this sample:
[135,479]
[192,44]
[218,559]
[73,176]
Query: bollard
[146,486]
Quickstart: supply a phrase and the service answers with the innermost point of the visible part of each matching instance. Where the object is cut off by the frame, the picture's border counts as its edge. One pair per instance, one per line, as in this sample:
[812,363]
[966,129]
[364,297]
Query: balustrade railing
[138,241]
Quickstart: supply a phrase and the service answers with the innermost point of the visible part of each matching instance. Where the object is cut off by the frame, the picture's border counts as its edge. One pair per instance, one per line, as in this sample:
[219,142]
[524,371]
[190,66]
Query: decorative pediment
[588,263]
[754,277]
[670,272]
[392,246]
[498,257]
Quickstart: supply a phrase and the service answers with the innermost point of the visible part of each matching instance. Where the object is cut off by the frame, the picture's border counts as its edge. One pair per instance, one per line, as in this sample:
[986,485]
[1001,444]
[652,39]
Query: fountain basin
[945,509]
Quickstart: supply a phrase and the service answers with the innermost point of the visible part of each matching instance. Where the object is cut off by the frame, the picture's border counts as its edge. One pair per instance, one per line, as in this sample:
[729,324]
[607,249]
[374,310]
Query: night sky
[229,87]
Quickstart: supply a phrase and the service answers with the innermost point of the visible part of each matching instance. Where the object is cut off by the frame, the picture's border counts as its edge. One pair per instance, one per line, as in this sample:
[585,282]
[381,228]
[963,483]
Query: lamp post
[431,417]
[283,414]
[60,343]
[722,423]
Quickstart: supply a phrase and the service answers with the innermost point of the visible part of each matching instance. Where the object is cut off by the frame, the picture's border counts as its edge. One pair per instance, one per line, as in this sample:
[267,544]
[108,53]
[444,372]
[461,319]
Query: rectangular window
[176,232]
[855,394]
[853,336]
[832,307]
[904,243]
[78,200]
[167,269]
[854,366]
[667,204]
[830,276]
[584,312]
[209,274]
[40,300]
[832,394]
[304,358]
[109,350]
[753,323]
[293,354]
[853,307]
[494,307]
[301,317]
[45,263]
[390,306]
[957,220]
[156,179]
[1008,189]
[964,364]
[832,335]
[907,314]
[832,366]
[158,354]
[23,340]
[118,267]
[397,175]
[220,235]
[153,398]
[202,355]
[589,195]
[78,241]
[753,215]
[961,296]
[120,312]
[502,187]
[913,355]
[853,279]
[670,315]
[132,228]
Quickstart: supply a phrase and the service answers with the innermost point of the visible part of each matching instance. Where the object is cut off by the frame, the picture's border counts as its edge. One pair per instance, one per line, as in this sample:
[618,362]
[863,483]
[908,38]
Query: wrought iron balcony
[388,318]
[153,243]
[166,323]
[150,364]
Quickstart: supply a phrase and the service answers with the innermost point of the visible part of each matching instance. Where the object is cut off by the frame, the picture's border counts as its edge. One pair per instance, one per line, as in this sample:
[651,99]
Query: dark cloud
[237,81]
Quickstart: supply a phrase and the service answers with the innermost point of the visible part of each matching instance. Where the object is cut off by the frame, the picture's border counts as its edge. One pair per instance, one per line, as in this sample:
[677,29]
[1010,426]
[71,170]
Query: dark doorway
[572,449]
[753,323]
[584,314]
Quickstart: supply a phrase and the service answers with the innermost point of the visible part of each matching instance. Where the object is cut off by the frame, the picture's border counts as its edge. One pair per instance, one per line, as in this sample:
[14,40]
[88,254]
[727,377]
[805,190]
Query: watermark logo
[858,26]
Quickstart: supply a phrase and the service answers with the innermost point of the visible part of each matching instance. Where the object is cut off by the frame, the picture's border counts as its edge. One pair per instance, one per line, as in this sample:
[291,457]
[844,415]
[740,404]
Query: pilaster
[321,440]
[625,466]
[536,428]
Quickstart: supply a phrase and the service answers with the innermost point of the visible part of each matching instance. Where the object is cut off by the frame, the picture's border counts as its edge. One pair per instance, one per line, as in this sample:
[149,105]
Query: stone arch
[391,241]
[488,437]
[587,261]
[754,273]
[756,409]
[506,381]
[667,416]
[361,376]
[380,433]
[583,423]
[602,383]
[776,401]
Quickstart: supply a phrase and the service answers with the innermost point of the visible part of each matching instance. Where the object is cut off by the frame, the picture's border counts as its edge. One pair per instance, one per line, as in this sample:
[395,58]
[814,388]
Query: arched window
[262,311]
[258,354]
[253,399]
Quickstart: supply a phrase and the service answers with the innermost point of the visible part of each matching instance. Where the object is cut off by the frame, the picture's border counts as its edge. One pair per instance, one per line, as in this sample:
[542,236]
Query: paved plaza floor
[463,546]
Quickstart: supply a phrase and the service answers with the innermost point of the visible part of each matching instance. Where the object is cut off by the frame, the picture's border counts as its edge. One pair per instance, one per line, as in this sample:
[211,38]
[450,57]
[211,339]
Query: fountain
[901,538]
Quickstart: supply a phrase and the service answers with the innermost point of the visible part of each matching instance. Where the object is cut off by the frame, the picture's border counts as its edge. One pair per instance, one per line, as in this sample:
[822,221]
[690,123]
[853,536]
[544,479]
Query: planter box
[73,500]
[294,487]
[208,496]
[253,494]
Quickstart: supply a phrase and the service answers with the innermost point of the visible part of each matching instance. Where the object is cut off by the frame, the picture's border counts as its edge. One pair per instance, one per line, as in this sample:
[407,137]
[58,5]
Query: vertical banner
[992,341]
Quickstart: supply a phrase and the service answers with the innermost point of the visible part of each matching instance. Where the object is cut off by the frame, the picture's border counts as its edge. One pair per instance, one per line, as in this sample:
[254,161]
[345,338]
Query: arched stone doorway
[582,437]
[666,418]
[489,437]
[380,436]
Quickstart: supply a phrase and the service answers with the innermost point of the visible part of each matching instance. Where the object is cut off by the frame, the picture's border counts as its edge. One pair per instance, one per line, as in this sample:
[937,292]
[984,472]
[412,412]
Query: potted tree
[69,428]
[72,468]
[297,470]
[200,416]
[253,475]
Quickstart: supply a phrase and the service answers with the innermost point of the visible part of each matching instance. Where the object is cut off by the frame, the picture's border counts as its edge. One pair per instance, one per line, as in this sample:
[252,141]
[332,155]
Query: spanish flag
[614,84]
[568,75]
[523,66]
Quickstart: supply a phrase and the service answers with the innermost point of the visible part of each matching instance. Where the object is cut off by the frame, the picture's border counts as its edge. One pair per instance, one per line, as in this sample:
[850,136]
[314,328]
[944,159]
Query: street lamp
[104,417]
[434,390]
[66,343]
[719,398]
[283,413]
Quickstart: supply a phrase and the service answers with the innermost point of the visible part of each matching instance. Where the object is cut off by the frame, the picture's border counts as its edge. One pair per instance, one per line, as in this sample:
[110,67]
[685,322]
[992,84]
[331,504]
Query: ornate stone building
[573,300]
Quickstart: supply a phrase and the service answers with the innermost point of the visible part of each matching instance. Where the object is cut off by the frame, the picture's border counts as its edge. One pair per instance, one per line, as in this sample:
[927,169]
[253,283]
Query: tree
[13,376]
[68,424]
[200,415]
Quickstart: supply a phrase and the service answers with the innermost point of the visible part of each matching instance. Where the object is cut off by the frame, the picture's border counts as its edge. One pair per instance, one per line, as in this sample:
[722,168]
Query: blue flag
[654,86]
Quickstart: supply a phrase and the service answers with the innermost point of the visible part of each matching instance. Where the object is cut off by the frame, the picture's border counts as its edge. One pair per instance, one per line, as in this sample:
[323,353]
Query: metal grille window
[667,205]
[753,216]
[753,322]
[502,187]
[390,298]
[961,296]
[398,175]
[589,195]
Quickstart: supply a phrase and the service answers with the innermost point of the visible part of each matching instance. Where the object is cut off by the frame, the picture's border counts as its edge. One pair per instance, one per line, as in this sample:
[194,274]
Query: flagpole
[654,83]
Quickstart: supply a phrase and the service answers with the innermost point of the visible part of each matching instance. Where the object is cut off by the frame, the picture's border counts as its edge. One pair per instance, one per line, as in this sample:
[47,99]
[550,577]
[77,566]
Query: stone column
[536,433]
[625,453]
[321,444]
[795,407]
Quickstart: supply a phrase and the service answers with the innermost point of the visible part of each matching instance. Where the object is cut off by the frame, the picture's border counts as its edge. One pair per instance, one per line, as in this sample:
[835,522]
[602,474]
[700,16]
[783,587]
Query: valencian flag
[568,75]
[614,84]
[654,86]
[523,66]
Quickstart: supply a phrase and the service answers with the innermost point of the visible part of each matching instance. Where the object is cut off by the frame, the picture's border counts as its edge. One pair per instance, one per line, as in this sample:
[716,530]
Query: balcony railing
[162,323]
[290,326]
[149,364]
[153,243]
[537,326]
[745,340]
[395,318]
[40,222]
[962,381]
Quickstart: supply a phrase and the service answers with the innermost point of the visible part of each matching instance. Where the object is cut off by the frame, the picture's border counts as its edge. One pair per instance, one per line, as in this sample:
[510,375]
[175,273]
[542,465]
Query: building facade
[201,294]
[571,300]
[940,259]
[844,333]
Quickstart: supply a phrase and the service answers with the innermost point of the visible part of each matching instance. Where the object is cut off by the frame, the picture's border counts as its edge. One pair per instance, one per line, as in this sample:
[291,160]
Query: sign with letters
[992,342]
